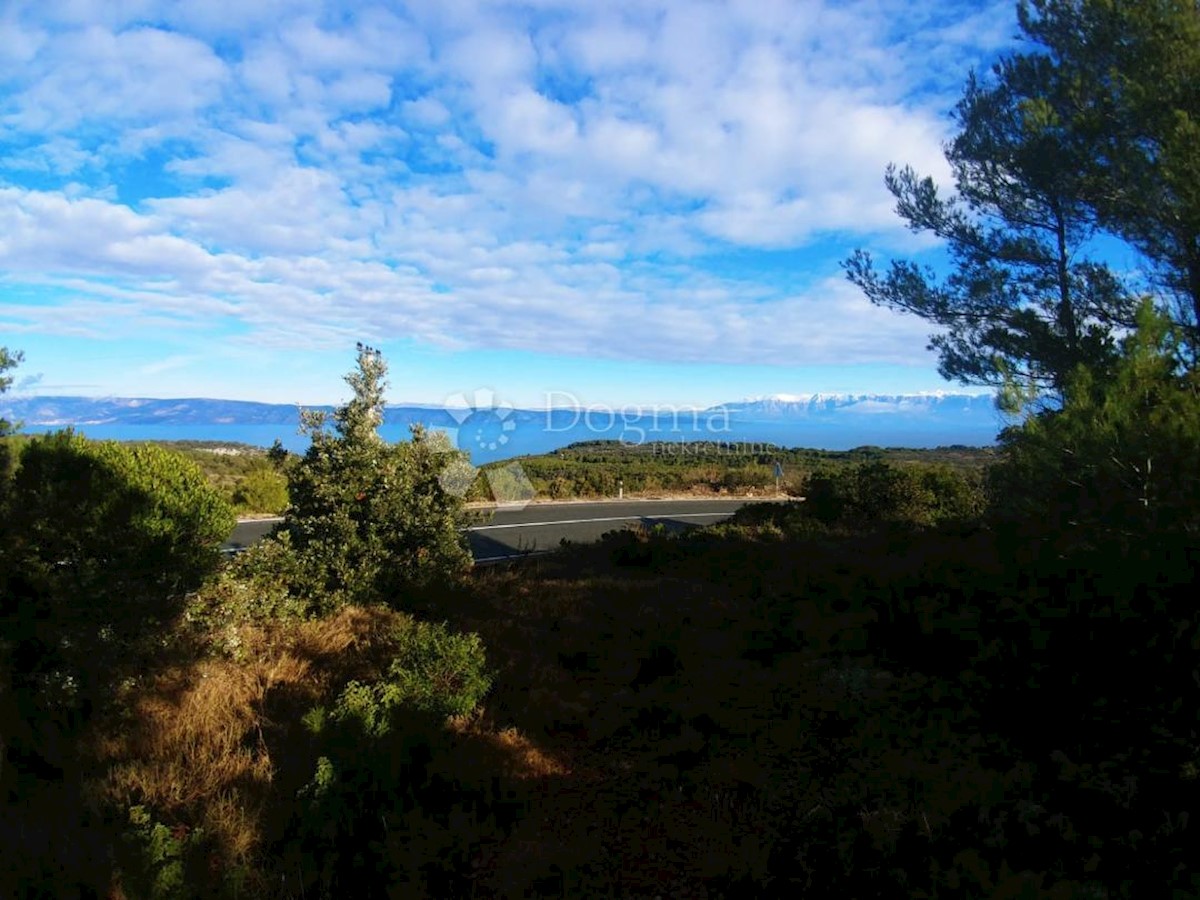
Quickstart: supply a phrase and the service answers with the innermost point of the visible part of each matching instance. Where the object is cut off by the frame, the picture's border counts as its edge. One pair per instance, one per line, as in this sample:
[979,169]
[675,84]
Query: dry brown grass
[194,743]
[191,745]
[509,752]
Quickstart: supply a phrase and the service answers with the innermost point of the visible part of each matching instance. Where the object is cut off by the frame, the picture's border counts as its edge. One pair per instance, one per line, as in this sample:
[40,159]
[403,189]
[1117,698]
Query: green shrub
[160,863]
[372,809]
[259,584]
[435,671]
[369,520]
[876,493]
[1120,460]
[262,490]
[101,543]
[120,521]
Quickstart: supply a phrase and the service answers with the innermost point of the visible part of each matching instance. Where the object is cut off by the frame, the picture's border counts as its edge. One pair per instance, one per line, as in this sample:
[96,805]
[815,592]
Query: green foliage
[439,671]
[8,360]
[1022,298]
[435,671]
[262,490]
[161,862]
[278,454]
[255,586]
[101,543]
[1095,126]
[1130,72]
[370,520]
[104,534]
[247,477]
[877,493]
[371,806]
[142,515]
[1119,460]
[596,468]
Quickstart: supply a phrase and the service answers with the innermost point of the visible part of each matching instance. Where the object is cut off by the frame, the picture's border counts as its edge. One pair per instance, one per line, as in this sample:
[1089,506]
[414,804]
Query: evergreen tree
[370,519]
[1128,73]
[1120,461]
[8,360]
[1022,299]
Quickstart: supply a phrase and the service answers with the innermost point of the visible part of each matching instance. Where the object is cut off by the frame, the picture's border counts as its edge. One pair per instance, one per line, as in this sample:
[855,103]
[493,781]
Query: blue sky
[628,203]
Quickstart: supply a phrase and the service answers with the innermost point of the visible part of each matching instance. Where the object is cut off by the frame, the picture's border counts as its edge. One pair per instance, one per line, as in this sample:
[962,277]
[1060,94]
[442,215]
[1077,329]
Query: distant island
[824,421]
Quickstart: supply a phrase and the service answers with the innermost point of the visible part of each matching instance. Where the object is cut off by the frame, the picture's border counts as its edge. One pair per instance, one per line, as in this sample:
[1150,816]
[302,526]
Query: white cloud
[533,176]
[100,77]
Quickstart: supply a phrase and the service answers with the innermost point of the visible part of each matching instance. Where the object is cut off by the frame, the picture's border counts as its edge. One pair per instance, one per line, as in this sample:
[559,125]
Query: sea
[491,435]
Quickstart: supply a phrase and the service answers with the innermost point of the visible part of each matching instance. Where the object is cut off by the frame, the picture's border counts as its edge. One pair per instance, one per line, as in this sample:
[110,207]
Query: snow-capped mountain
[801,406]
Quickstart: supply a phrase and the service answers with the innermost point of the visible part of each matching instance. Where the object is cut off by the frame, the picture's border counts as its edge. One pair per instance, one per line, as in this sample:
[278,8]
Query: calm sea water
[487,436]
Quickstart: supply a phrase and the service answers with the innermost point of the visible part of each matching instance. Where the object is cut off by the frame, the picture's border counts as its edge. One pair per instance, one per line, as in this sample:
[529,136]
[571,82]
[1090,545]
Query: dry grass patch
[509,752]
[190,746]
[216,742]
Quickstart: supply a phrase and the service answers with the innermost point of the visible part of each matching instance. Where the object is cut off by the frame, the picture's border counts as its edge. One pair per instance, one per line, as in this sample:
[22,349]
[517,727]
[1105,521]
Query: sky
[558,201]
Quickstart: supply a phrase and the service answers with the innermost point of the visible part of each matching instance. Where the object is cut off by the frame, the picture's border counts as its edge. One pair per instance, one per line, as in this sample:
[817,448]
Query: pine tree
[1022,299]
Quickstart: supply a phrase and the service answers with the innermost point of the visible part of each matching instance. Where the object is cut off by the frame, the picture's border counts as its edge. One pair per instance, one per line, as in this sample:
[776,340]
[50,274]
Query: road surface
[508,533]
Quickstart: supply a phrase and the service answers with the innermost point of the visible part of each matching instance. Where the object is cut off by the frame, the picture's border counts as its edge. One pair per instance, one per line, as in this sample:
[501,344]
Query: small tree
[371,519]
[1120,461]
[8,360]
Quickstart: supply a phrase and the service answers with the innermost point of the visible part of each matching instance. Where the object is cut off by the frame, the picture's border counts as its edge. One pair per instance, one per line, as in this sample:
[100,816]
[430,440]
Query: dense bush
[256,586]
[263,489]
[370,800]
[369,520]
[877,493]
[99,543]
[1119,460]
[435,671]
[103,539]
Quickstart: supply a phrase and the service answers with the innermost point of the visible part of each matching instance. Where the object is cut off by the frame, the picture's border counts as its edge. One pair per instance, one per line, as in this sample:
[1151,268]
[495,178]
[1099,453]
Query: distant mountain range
[828,421]
[78,411]
[803,406]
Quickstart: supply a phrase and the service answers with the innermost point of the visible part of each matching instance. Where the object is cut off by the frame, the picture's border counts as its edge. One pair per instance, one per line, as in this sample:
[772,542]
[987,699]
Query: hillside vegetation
[254,480]
[602,468]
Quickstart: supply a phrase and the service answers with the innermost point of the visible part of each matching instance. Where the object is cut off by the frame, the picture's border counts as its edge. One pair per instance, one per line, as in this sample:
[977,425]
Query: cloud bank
[647,180]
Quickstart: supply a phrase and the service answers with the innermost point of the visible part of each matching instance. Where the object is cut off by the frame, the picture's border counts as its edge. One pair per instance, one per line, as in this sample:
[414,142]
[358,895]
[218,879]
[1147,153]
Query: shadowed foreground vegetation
[778,706]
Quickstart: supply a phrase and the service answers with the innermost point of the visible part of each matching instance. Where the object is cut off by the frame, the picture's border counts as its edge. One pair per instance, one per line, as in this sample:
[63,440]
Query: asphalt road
[508,533]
